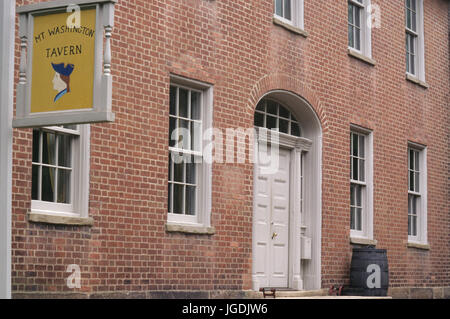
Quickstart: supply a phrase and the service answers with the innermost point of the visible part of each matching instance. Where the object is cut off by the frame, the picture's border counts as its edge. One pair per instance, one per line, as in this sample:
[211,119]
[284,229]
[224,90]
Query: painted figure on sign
[61,80]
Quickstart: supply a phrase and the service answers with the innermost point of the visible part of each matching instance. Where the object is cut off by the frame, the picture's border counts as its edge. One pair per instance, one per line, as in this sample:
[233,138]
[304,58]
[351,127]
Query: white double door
[271,224]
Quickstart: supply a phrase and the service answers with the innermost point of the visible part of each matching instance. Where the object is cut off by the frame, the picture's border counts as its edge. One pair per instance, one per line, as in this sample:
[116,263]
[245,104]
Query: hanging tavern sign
[65,63]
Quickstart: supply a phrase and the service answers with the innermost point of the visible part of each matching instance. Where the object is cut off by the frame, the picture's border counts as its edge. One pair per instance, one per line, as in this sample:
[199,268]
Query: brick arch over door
[279,81]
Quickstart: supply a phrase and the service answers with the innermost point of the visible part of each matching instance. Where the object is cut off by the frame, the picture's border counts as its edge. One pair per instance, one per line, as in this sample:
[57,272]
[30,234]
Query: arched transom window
[273,115]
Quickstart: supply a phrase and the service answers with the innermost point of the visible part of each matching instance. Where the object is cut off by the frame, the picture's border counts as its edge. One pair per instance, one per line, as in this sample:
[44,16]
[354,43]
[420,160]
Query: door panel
[272,224]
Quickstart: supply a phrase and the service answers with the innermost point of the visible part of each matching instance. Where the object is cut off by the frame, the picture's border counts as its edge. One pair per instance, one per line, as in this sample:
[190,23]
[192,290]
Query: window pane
[355,168]
[362,146]
[169,198]
[178,200]
[357,39]
[358,196]
[410,225]
[355,145]
[272,107]
[196,136]
[35,182]
[190,200]
[411,181]
[261,106]
[259,119]
[173,100]
[195,106]
[350,14]
[48,184]
[412,64]
[411,159]
[408,19]
[414,225]
[184,134]
[357,12]
[64,150]
[412,44]
[178,171]
[63,186]
[295,129]
[352,218]
[359,219]
[170,167]
[271,122]
[362,168]
[284,112]
[351,42]
[172,126]
[417,182]
[284,126]
[352,195]
[48,148]
[279,7]
[414,20]
[287,9]
[183,102]
[416,161]
[36,146]
[191,172]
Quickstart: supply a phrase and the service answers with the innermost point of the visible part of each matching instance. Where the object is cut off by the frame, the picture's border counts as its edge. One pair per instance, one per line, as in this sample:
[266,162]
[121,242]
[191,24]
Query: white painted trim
[7,22]
[419,61]
[204,195]
[297,12]
[367,226]
[366,31]
[422,217]
[80,182]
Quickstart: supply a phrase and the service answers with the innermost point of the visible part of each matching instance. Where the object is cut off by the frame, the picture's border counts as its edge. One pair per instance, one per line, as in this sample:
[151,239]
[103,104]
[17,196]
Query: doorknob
[274,235]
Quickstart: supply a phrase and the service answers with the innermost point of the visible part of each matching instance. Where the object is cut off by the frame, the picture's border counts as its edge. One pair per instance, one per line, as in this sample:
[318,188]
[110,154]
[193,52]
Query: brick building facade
[238,55]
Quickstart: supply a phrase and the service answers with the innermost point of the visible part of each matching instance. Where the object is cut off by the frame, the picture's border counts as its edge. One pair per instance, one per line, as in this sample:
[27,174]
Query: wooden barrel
[369,272]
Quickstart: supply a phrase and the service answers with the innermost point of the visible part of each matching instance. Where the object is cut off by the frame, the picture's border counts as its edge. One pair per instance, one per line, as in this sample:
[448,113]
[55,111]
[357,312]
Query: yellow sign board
[63,62]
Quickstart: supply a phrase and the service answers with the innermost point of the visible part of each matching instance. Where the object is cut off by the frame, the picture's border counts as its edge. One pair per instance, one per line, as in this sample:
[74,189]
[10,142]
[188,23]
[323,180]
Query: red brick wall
[235,46]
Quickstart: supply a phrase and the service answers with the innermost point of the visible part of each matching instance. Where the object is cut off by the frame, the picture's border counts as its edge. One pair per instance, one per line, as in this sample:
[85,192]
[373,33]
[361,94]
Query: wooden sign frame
[100,109]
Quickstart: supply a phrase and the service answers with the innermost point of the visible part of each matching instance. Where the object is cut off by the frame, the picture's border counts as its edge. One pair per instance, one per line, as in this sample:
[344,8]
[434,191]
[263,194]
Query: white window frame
[366,30]
[420,195]
[297,14]
[204,174]
[419,42]
[79,206]
[367,185]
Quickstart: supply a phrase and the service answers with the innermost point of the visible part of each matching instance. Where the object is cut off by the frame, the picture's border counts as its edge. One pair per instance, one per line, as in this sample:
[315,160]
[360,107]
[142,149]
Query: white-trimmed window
[60,171]
[414,39]
[359,30]
[417,199]
[189,183]
[290,12]
[361,185]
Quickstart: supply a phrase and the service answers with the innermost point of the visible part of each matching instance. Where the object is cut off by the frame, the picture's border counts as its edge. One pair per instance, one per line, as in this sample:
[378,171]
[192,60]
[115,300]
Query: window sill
[417,245]
[416,80]
[290,27]
[190,229]
[363,241]
[361,57]
[59,219]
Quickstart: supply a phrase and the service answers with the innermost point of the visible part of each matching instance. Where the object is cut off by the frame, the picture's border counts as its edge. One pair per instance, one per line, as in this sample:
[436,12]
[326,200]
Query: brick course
[235,46]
